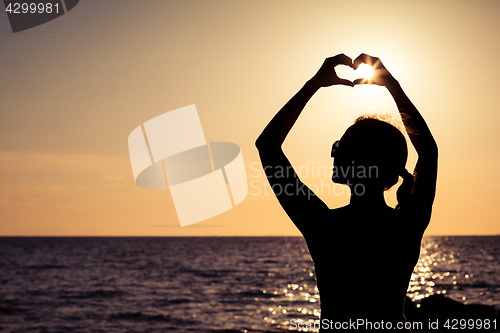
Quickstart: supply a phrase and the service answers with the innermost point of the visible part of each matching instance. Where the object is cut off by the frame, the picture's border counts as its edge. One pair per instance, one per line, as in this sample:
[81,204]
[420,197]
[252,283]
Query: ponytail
[405,190]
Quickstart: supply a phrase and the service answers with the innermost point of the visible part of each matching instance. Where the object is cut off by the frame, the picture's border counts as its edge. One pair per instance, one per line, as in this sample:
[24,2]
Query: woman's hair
[405,189]
[377,143]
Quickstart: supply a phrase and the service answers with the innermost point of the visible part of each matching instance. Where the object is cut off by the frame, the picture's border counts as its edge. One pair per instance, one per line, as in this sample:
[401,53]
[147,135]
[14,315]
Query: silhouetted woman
[366,248]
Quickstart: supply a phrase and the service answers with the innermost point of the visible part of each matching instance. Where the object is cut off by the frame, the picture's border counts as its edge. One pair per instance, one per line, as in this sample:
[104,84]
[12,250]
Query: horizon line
[158,236]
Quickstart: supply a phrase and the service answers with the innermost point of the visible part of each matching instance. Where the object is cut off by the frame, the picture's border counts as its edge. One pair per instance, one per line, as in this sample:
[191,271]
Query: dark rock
[444,310]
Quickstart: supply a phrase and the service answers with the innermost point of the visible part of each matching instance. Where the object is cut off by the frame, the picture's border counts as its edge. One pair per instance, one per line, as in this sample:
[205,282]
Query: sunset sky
[73,89]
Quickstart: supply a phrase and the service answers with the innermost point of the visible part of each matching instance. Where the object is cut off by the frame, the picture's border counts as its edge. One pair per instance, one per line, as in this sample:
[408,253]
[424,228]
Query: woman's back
[363,261]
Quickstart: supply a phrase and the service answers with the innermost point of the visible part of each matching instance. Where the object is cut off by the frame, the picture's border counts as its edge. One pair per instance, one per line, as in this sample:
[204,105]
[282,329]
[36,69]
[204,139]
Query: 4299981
[471,324]
[40,8]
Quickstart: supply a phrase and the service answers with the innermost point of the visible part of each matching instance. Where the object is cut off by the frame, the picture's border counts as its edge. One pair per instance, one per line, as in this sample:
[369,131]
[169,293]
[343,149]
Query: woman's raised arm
[276,131]
[299,202]
[425,173]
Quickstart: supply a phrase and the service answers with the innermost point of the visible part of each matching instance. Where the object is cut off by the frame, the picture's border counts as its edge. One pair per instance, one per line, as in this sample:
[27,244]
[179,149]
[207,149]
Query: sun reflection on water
[441,269]
[422,280]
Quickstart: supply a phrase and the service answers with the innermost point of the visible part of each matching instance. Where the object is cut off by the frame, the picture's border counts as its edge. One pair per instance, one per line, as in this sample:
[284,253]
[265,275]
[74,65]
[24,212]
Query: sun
[365,71]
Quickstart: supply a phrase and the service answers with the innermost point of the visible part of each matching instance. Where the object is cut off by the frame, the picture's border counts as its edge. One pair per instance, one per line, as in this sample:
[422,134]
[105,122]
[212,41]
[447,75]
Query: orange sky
[73,89]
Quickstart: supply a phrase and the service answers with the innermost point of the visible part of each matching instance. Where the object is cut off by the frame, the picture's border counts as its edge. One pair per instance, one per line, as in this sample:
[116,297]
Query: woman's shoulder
[368,220]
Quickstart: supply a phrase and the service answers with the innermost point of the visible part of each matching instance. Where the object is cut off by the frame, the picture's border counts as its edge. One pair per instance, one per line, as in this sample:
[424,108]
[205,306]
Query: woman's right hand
[381,75]
[326,75]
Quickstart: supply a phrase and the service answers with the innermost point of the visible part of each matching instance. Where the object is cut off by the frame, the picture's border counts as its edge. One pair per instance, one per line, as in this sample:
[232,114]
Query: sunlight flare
[365,71]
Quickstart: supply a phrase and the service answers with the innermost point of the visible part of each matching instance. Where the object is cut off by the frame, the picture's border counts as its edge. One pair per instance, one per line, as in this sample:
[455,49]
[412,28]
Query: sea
[205,284]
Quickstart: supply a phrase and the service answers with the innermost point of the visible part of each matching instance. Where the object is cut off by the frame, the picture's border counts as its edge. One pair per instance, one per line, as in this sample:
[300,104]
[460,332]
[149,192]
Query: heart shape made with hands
[364,71]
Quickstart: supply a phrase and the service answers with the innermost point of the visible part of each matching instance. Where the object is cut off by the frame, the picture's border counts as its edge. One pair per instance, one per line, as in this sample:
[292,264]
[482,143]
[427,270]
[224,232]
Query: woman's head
[371,152]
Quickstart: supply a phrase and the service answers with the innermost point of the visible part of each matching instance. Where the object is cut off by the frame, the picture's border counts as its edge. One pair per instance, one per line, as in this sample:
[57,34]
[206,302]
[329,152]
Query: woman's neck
[364,196]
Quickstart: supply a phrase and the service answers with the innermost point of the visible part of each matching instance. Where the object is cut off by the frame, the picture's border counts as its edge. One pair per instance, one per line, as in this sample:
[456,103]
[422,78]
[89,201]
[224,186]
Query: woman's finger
[342,59]
[364,58]
[345,82]
[361,81]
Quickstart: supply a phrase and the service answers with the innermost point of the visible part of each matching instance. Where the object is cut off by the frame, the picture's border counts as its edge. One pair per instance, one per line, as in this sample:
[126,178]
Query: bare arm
[278,128]
[299,202]
[425,173]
